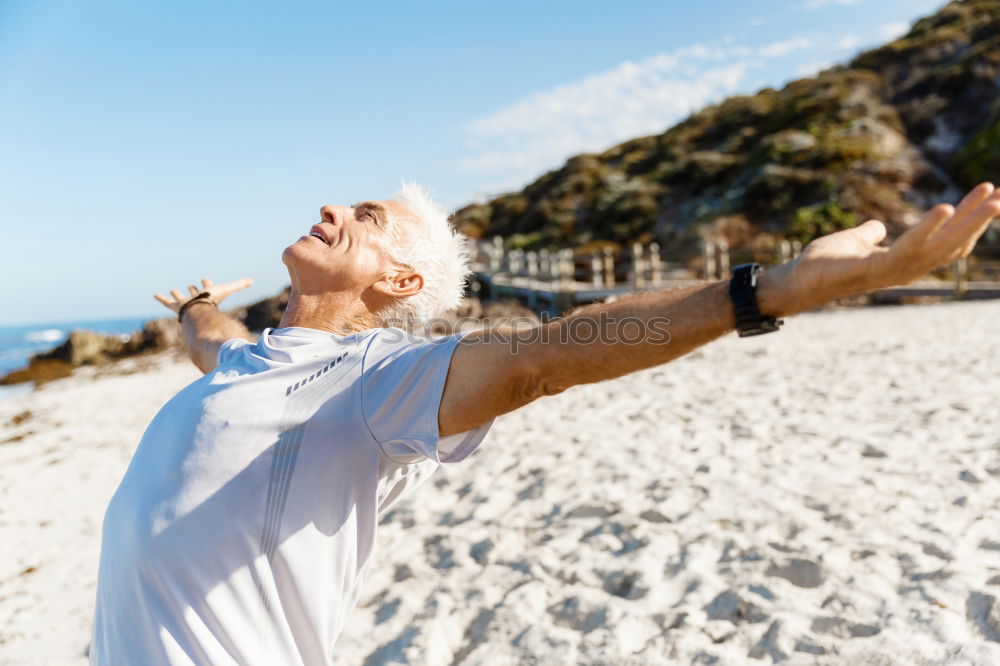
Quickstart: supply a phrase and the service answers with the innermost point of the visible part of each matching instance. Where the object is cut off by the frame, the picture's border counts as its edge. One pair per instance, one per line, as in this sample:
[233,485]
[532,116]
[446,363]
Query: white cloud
[817,4]
[891,31]
[847,43]
[814,67]
[783,47]
[630,100]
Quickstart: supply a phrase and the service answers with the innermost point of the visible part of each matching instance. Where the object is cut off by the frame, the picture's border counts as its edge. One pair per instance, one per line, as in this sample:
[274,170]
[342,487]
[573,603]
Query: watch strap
[743,294]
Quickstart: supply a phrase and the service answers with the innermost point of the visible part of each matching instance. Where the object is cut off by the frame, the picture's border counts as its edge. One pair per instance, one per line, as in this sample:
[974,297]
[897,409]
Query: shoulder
[394,345]
[229,350]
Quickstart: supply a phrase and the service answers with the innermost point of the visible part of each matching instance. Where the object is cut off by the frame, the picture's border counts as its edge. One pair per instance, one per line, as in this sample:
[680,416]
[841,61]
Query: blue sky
[144,145]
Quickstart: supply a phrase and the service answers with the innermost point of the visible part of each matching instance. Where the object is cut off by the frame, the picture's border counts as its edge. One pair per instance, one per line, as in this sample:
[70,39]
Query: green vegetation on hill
[899,127]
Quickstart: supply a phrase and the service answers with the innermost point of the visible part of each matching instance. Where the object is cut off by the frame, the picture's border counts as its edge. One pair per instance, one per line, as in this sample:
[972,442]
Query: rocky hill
[901,126]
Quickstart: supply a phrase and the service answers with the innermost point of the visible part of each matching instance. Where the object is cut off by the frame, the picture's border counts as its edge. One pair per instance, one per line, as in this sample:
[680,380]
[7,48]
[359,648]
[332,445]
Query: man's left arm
[493,372]
[203,326]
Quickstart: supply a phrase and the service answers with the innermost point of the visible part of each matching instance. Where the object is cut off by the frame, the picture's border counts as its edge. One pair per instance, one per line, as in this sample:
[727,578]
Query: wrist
[201,299]
[775,294]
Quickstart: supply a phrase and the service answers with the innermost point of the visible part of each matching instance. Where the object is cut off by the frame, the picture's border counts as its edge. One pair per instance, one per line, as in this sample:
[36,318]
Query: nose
[332,214]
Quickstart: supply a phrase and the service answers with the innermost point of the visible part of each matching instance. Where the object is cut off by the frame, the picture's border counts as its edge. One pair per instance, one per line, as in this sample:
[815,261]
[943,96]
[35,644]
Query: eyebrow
[381,214]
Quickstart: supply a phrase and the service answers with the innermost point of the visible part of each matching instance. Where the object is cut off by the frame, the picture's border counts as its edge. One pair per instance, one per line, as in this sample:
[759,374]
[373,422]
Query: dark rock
[264,314]
[158,334]
[580,612]
[480,551]
[774,644]
[729,605]
[39,370]
[809,647]
[968,477]
[625,584]
[87,348]
[983,611]
[873,452]
[841,628]
[90,348]
[800,572]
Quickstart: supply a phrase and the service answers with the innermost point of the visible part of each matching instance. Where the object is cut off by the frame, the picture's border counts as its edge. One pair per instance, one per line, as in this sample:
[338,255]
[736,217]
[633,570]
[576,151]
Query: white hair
[437,253]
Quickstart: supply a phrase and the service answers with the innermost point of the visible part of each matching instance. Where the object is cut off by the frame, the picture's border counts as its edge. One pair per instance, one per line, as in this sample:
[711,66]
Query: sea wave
[45,335]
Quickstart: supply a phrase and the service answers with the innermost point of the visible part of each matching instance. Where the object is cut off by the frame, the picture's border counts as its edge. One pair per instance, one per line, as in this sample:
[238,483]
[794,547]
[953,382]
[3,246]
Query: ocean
[18,343]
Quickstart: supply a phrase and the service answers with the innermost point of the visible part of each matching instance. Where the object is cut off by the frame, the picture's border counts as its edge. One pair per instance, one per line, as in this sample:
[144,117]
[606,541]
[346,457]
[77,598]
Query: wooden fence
[555,280]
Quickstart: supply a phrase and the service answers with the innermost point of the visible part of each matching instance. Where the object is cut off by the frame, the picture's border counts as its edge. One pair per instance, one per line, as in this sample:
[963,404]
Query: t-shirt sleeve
[402,380]
[228,349]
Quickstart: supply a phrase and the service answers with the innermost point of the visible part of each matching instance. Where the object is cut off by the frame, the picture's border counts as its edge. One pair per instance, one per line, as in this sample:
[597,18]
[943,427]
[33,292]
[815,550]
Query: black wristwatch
[743,292]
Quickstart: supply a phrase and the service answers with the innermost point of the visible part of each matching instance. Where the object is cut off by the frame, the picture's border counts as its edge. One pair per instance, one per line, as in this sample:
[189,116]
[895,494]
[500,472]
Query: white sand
[825,495]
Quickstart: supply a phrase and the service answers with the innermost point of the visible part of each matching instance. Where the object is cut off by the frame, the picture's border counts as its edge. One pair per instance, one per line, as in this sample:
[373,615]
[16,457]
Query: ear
[399,284]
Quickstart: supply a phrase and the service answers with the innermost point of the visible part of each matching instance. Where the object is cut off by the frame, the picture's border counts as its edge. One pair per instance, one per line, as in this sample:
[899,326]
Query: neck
[326,312]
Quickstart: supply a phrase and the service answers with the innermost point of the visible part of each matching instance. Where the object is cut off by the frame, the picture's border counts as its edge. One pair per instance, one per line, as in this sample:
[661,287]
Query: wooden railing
[560,278]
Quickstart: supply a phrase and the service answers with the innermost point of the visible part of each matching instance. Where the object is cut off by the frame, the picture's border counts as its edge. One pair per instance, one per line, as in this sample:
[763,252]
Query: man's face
[346,251]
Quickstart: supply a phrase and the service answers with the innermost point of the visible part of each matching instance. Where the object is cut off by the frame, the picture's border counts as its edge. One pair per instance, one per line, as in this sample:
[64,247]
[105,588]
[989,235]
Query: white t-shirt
[245,523]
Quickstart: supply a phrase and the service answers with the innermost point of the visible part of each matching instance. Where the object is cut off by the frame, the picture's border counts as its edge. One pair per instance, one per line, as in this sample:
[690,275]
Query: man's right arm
[204,327]
[493,374]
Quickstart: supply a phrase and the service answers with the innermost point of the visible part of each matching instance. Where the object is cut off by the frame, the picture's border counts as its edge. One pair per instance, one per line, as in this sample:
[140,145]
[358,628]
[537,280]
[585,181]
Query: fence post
[784,250]
[638,269]
[566,269]
[532,260]
[596,270]
[516,262]
[723,259]
[708,249]
[961,267]
[545,263]
[609,267]
[496,256]
[533,265]
[655,265]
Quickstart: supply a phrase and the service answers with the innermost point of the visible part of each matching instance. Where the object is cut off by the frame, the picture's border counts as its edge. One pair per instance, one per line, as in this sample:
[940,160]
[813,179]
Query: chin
[297,253]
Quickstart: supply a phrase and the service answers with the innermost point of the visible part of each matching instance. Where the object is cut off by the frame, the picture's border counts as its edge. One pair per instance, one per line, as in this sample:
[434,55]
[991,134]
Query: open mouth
[317,232]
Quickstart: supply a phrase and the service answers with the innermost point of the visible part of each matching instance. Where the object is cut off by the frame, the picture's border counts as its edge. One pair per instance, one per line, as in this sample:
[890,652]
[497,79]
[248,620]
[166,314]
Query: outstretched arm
[491,375]
[205,328]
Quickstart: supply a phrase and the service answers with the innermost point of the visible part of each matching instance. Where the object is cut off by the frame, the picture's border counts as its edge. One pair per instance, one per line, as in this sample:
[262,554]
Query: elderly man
[245,524]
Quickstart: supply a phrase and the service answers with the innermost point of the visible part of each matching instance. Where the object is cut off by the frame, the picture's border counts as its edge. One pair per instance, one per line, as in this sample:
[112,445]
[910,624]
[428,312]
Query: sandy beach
[825,495]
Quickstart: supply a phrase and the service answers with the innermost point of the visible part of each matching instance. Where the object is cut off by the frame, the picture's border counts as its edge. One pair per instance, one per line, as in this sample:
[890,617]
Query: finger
[985,214]
[163,299]
[960,231]
[193,290]
[206,283]
[178,296]
[976,196]
[234,286]
[871,231]
[928,224]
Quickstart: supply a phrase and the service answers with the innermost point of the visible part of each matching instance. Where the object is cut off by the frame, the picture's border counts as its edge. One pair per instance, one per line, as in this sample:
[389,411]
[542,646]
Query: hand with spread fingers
[852,261]
[214,293]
